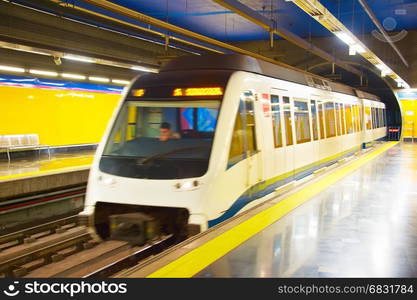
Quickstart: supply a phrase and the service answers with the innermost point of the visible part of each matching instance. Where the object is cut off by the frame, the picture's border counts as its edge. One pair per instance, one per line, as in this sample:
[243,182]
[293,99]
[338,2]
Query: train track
[31,234]
[64,249]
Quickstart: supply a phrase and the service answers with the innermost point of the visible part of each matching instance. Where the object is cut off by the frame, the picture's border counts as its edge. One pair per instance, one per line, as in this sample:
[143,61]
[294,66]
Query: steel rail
[49,227]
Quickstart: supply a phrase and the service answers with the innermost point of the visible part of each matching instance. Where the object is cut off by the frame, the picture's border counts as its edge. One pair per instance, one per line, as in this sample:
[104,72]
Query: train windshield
[161,140]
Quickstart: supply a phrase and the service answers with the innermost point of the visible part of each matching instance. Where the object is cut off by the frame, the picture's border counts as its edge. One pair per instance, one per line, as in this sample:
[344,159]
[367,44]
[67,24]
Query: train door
[287,133]
[249,111]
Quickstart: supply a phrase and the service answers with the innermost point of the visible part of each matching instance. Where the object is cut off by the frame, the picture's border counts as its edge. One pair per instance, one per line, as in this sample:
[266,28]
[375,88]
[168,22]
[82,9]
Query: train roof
[237,62]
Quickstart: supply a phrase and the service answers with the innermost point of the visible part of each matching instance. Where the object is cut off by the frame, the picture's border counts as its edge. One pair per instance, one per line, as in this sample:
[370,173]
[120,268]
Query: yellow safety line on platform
[196,260]
[44,172]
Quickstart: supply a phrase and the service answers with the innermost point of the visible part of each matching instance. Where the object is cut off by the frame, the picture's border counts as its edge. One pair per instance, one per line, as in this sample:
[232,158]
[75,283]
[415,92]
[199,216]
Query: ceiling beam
[123,11]
[260,20]
[322,15]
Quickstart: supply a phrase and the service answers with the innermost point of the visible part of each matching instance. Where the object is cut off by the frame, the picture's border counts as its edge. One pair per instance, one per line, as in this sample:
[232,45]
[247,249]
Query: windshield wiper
[159,155]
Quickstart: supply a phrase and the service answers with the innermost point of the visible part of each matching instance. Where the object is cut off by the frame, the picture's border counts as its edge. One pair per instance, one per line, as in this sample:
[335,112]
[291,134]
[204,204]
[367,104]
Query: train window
[380,117]
[276,120]
[322,122]
[384,116]
[349,118]
[373,117]
[342,114]
[377,117]
[161,140]
[243,137]
[360,117]
[355,114]
[288,120]
[330,119]
[368,118]
[339,131]
[302,122]
[314,120]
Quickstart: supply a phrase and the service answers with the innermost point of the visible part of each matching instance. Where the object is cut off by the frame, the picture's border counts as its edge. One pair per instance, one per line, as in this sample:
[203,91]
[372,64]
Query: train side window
[330,119]
[378,114]
[321,117]
[276,120]
[244,136]
[368,122]
[384,116]
[342,113]
[287,120]
[373,117]
[314,120]
[302,122]
[337,109]
[381,115]
[349,121]
[360,117]
[356,117]
[381,118]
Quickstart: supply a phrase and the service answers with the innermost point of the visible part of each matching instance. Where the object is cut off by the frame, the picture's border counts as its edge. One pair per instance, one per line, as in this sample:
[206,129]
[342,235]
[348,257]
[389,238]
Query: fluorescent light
[139,68]
[359,48]
[73,76]
[78,58]
[352,50]
[381,67]
[119,81]
[45,73]
[345,38]
[12,69]
[98,79]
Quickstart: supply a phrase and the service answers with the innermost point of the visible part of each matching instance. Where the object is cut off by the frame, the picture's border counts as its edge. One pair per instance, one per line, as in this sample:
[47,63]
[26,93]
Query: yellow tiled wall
[60,117]
[409,108]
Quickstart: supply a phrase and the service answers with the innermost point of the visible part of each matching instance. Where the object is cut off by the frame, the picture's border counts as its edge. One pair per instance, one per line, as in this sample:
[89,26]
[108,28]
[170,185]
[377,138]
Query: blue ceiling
[209,18]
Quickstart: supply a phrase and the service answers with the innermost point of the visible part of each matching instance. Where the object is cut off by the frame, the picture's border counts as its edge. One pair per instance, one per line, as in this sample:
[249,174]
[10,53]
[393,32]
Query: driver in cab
[165,132]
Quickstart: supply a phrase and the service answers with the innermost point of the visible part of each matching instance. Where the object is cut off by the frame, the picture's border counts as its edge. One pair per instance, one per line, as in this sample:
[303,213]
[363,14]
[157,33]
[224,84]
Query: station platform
[38,166]
[357,220]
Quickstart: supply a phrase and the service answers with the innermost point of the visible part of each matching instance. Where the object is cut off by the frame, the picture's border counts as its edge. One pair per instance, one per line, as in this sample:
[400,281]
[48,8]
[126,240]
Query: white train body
[268,158]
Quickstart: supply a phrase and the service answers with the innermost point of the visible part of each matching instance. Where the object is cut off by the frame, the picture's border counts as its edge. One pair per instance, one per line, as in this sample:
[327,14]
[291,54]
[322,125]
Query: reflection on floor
[363,226]
[36,165]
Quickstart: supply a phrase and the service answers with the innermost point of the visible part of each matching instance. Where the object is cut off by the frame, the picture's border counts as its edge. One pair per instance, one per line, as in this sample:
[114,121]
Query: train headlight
[106,180]
[187,185]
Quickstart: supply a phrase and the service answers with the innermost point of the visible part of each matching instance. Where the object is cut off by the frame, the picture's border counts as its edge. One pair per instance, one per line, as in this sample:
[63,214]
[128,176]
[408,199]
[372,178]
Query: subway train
[211,136]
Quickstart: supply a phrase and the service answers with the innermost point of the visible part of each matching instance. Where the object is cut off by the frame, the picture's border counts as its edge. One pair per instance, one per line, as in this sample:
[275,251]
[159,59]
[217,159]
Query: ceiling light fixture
[119,81]
[12,69]
[44,73]
[345,38]
[99,79]
[79,58]
[73,76]
[139,68]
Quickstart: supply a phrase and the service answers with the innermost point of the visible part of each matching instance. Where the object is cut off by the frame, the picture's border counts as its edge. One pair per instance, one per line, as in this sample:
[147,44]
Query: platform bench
[21,142]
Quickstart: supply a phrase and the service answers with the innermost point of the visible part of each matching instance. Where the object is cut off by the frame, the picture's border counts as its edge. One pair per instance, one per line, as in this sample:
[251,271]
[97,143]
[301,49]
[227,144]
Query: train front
[150,173]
